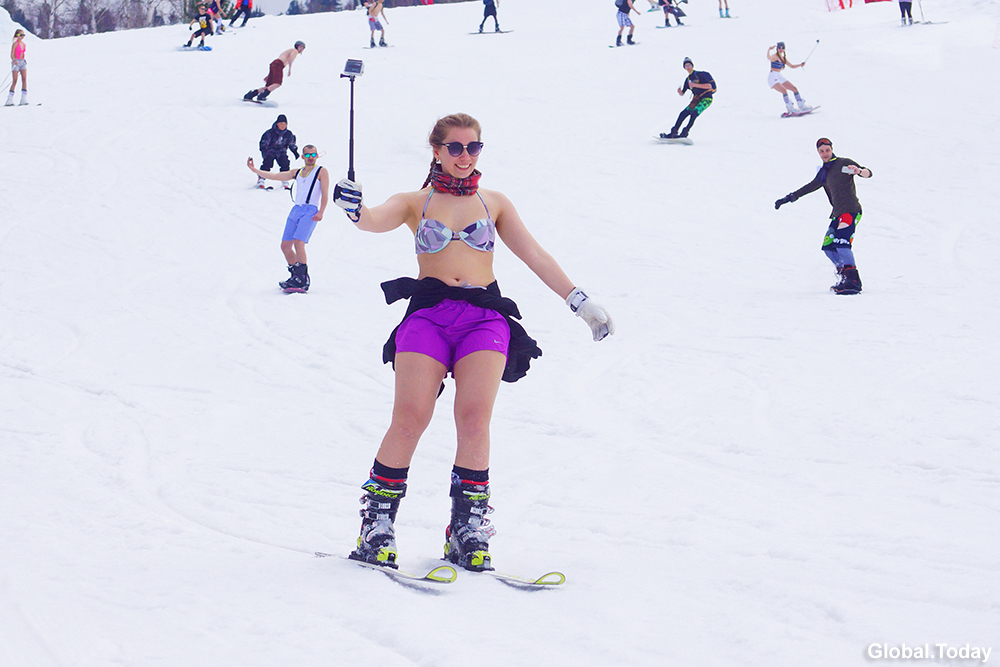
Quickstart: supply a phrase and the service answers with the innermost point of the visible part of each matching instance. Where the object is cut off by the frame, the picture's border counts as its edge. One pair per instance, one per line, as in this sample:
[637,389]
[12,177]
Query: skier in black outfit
[702,87]
[274,147]
[836,176]
[490,9]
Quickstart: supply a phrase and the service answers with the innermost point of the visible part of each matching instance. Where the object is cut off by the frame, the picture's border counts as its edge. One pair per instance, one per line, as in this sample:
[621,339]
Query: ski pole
[810,53]
[921,7]
[352,70]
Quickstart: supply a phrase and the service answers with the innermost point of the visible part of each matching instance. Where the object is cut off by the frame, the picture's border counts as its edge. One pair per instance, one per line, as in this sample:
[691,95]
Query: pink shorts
[452,329]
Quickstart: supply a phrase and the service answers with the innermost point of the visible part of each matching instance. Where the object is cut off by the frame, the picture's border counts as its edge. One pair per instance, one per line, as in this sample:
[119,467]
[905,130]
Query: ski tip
[551,579]
[444,574]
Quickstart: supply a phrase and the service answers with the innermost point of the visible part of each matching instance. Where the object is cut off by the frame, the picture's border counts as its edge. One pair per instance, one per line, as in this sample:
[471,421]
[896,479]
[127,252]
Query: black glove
[787,199]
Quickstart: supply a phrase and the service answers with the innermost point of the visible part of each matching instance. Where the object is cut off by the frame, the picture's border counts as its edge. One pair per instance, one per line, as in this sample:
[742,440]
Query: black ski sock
[478,476]
[385,472]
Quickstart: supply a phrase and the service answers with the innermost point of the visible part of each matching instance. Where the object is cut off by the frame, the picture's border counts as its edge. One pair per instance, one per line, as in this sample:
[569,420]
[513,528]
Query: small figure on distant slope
[18,65]
[625,7]
[670,7]
[490,9]
[376,9]
[206,26]
[244,7]
[906,11]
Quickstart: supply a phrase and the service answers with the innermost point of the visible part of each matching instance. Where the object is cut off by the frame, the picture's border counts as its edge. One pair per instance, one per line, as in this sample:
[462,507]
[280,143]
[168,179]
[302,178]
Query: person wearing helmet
[275,74]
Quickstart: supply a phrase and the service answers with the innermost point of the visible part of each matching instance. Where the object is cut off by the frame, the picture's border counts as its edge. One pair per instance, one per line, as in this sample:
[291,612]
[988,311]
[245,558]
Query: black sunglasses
[455,148]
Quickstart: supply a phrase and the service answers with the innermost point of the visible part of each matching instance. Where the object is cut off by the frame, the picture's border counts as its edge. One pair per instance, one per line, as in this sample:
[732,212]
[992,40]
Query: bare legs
[418,377]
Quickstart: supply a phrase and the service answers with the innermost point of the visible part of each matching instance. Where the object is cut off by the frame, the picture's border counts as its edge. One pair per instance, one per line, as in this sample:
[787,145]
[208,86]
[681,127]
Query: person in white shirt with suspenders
[312,185]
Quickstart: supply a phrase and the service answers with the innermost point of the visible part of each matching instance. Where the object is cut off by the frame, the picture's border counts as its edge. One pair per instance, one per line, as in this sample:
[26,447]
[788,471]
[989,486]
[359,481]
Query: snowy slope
[751,471]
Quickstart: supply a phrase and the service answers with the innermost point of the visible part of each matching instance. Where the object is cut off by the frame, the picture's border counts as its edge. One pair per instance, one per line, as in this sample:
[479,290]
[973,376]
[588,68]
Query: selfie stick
[352,70]
[810,53]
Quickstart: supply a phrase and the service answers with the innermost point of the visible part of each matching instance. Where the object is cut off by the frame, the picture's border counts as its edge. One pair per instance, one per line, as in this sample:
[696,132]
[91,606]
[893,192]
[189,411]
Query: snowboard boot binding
[250,95]
[381,42]
[851,283]
[377,542]
[372,44]
[467,536]
[263,95]
[629,40]
[299,280]
[618,42]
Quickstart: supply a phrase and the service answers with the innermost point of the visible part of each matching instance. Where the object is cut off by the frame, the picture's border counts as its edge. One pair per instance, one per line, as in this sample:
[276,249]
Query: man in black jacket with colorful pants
[836,177]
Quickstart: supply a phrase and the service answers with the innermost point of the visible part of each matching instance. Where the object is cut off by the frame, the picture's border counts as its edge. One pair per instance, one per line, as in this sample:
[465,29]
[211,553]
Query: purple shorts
[452,329]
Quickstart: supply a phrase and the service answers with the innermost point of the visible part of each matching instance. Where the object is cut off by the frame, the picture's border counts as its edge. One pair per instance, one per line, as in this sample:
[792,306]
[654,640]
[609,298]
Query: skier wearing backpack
[625,7]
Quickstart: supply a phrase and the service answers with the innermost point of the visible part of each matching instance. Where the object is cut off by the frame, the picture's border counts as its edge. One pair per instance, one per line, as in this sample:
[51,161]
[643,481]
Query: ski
[547,580]
[442,574]
[796,114]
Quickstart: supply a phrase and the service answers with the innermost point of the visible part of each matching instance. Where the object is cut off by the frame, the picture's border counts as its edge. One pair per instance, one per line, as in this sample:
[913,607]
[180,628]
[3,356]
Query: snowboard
[615,46]
[495,32]
[682,25]
[265,103]
[194,48]
[675,140]
[292,290]
[796,114]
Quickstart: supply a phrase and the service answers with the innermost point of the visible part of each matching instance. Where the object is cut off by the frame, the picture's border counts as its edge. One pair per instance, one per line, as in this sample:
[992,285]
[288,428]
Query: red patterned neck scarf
[456,186]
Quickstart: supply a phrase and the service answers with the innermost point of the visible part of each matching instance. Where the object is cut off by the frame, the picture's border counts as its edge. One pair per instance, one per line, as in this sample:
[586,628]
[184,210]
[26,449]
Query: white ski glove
[592,313]
[347,195]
